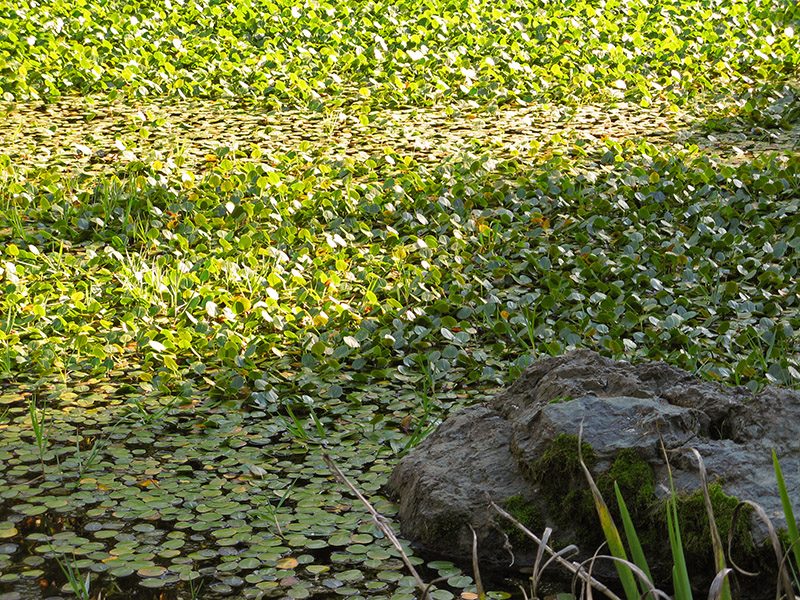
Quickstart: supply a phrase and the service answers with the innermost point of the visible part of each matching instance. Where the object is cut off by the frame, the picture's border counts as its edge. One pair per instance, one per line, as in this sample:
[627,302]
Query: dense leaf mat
[262,228]
[398,53]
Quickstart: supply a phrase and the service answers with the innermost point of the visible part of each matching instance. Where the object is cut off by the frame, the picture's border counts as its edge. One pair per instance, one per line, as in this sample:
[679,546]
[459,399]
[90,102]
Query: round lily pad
[31,510]
[459,581]
[349,575]
[32,573]
[389,575]
[340,539]
[151,571]
[317,569]
[378,553]
[287,563]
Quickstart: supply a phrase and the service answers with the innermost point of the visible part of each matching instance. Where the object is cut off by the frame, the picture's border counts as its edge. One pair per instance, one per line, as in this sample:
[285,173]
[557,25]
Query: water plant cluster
[188,315]
[401,53]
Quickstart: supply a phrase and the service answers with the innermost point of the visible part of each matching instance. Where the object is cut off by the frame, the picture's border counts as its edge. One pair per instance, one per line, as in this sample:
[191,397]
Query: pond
[236,234]
[215,295]
[149,498]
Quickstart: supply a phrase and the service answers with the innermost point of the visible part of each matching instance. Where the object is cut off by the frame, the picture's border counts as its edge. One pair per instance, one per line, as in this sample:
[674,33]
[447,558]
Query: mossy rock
[530,516]
[569,502]
[561,458]
[634,477]
[696,534]
[512,446]
[563,454]
[636,482]
[571,506]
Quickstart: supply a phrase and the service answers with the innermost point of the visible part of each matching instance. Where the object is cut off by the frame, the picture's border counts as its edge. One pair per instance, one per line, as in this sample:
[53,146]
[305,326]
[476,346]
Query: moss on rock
[446,526]
[561,458]
[696,533]
[527,514]
[563,486]
[636,482]
[563,453]
[634,477]
[568,499]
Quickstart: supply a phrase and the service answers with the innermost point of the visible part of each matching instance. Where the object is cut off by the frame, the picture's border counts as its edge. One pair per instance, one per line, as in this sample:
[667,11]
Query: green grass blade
[788,513]
[609,530]
[724,592]
[680,576]
[631,536]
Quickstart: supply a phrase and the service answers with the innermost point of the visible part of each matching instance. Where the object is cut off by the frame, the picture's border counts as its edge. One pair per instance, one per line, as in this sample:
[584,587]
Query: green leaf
[632,537]
[609,529]
[157,346]
[680,576]
[788,512]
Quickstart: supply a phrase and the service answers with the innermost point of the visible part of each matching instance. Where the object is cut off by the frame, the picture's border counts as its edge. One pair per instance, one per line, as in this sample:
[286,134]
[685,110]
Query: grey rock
[494,451]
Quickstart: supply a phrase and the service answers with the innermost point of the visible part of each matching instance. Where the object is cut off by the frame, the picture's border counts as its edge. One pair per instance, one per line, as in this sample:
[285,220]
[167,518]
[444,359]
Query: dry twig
[380,521]
[572,567]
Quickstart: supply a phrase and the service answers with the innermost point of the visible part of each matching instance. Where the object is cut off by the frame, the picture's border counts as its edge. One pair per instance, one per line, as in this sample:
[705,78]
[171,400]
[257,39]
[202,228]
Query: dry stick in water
[380,521]
[572,567]
[475,569]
